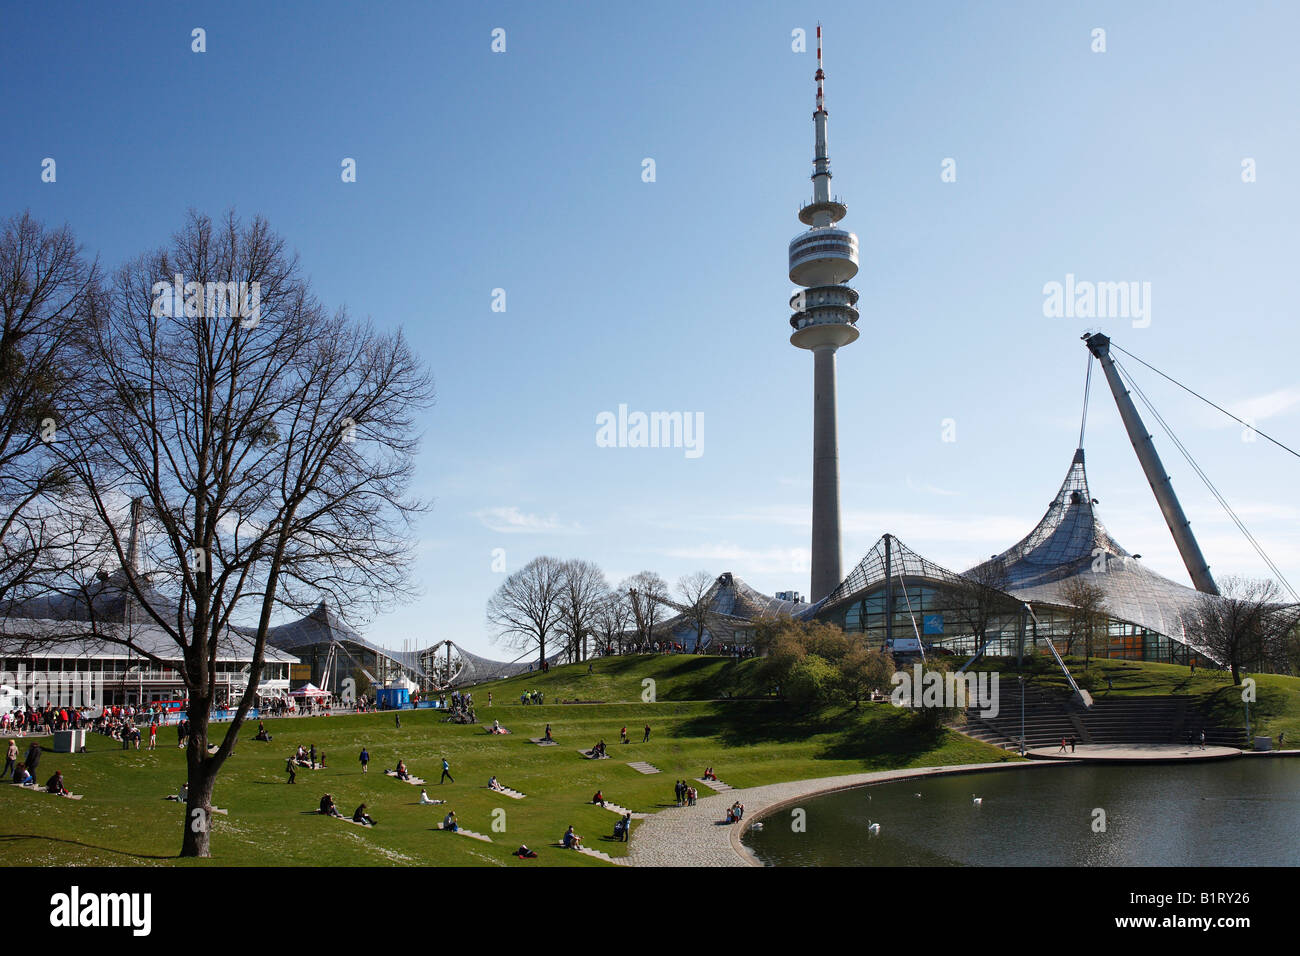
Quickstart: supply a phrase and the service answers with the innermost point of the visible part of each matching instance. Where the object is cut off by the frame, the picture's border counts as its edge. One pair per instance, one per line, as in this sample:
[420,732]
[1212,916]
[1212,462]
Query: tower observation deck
[822,260]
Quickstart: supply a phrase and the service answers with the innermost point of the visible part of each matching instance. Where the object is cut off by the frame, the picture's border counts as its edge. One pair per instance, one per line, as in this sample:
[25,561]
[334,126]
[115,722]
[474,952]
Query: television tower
[822,260]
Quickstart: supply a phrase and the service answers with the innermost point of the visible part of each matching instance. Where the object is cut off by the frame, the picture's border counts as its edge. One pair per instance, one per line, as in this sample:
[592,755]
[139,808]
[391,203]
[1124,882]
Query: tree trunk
[202,774]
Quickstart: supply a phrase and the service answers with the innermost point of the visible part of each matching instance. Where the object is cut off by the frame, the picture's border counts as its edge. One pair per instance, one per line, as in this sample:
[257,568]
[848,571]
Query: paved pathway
[640,766]
[692,836]
[1129,753]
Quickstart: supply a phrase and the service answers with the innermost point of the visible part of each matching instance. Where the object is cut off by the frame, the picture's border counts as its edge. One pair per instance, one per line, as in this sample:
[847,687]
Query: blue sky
[522,171]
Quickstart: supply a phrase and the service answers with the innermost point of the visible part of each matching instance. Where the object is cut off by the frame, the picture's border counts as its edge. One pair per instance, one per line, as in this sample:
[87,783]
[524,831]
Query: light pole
[1021,678]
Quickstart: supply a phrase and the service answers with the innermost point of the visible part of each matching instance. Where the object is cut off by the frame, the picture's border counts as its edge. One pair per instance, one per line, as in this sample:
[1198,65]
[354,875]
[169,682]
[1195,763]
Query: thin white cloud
[510,520]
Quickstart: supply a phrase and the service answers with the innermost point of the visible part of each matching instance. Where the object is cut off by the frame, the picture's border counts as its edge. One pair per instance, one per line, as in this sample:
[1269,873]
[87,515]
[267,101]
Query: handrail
[1065,670]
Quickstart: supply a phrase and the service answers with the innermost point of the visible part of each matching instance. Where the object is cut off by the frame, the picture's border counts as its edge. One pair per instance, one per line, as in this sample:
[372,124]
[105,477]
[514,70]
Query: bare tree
[614,619]
[270,445]
[1087,614]
[582,592]
[48,298]
[1244,625]
[527,608]
[977,600]
[646,590]
[695,591]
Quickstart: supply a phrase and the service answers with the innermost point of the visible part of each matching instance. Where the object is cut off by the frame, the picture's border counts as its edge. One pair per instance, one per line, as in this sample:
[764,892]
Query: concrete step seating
[615,808]
[640,766]
[471,834]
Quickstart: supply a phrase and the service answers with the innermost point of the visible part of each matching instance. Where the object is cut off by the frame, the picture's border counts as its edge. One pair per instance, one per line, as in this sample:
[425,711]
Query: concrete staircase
[1047,719]
[1049,716]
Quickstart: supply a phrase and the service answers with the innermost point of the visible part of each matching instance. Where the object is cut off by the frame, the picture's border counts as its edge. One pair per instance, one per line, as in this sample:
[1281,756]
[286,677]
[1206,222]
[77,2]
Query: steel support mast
[1099,345]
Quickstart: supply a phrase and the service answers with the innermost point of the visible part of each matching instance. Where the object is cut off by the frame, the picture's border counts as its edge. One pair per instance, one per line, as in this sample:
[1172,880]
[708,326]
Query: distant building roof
[322,626]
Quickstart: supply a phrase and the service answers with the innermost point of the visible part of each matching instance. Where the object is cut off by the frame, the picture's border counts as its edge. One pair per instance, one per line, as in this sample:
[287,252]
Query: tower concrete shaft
[826,551]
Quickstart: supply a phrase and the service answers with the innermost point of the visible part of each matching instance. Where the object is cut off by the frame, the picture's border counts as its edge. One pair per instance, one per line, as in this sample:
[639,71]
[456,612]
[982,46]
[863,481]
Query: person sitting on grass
[449,822]
[599,798]
[327,807]
[424,798]
[548,734]
[495,784]
[571,840]
[622,828]
[524,853]
[55,784]
[183,794]
[360,816]
[22,775]
[401,771]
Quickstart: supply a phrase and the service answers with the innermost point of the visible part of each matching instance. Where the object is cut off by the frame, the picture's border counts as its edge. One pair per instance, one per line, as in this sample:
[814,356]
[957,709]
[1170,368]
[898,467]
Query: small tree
[864,669]
[695,590]
[527,608]
[582,592]
[1087,614]
[646,591]
[614,618]
[977,600]
[1242,625]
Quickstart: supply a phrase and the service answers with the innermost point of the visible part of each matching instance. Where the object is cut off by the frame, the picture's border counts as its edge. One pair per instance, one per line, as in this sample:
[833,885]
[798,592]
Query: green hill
[677,677]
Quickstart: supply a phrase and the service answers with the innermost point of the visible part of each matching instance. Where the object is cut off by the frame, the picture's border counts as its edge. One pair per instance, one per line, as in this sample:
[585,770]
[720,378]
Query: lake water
[1240,812]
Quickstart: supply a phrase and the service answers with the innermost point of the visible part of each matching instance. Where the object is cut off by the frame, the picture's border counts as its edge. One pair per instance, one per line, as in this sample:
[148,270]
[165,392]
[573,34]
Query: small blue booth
[392,698]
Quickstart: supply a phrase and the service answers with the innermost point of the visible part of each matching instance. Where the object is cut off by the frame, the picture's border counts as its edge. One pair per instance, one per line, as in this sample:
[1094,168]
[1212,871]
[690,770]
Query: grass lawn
[124,820]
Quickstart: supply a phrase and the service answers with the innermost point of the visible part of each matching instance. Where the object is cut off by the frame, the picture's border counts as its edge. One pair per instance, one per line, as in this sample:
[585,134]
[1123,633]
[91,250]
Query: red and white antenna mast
[821,74]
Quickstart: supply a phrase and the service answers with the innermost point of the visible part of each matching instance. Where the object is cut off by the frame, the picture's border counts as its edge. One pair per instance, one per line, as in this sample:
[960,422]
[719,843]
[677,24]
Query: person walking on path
[1202,739]
[1072,743]
[365,760]
[646,738]
[446,772]
[1061,750]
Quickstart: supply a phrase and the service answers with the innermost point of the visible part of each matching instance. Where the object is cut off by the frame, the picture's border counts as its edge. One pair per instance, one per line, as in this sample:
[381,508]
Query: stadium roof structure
[1070,542]
[323,627]
[470,668]
[889,557]
[44,637]
[732,602]
[97,620]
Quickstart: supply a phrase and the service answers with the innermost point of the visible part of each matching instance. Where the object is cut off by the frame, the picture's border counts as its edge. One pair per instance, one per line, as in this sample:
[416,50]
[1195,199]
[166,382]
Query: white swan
[873,828]
[976,800]
[756,826]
